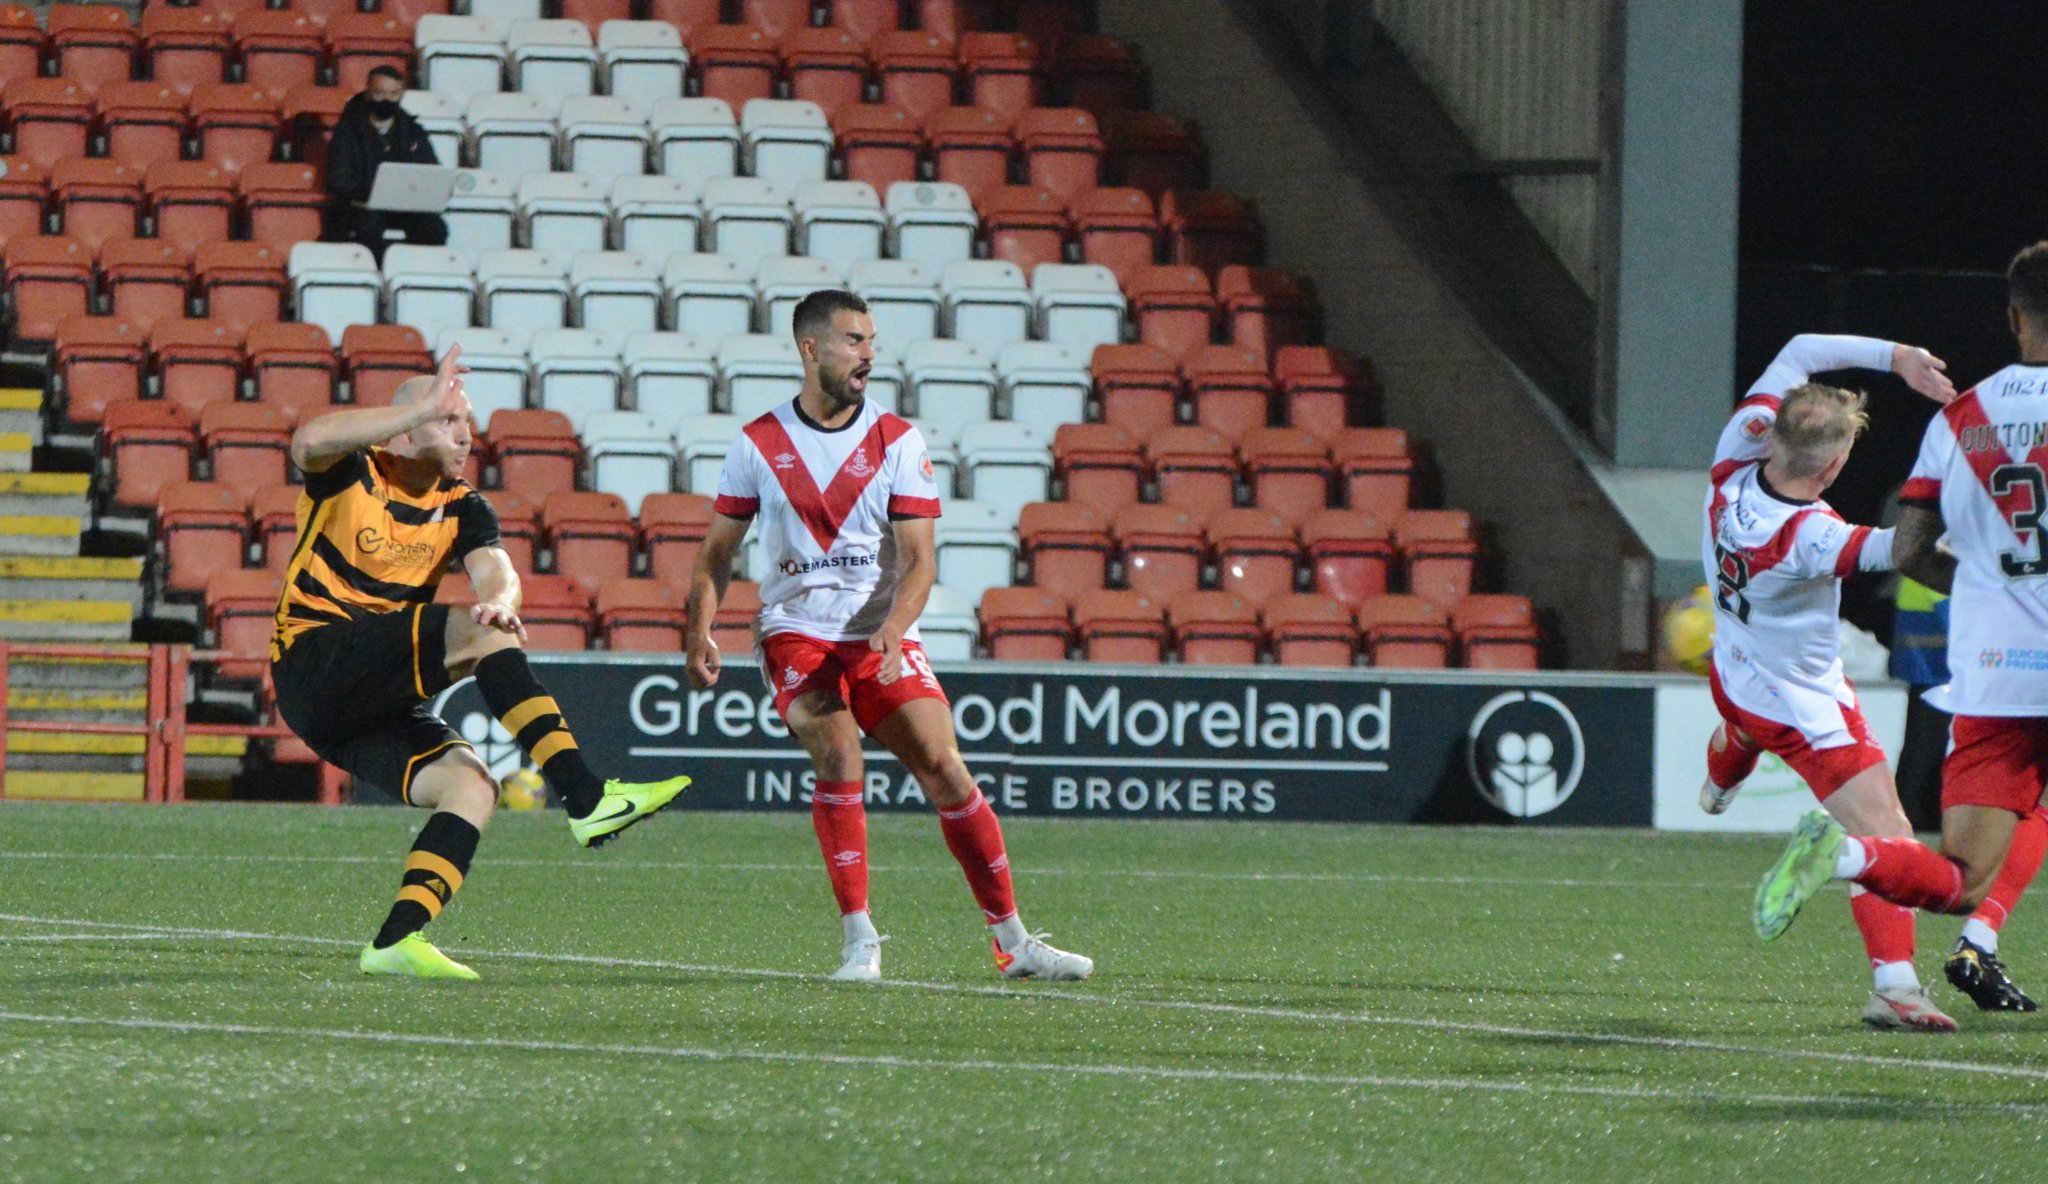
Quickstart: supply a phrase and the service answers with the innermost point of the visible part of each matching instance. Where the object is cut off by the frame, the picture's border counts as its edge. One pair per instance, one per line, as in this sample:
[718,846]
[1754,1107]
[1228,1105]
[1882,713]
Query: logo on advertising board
[1525,752]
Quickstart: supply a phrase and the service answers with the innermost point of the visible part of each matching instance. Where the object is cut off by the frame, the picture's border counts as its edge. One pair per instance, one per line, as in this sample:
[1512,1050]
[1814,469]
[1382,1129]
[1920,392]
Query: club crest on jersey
[792,676]
[785,460]
[1756,427]
[924,461]
[859,465]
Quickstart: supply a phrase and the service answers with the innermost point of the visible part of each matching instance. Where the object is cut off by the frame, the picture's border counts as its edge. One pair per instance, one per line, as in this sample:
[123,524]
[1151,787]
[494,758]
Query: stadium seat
[775,17]
[1138,386]
[695,139]
[537,451]
[747,219]
[360,42]
[551,57]
[482,214]
[91,44]
[1255,553]
[283,202]
[863,18]
[951,18]
[97,200]
[1121,625]
[630,455]
[971,147]
[21,42]
[686,15]
[442,118]
[1209,229]
[653,216]
[1310,629]
[782,282]
[522,291]
[191,202]
[497,365]
[197,362]
[641,616]
[786,142]
[670,375]
[241,610]
[933,225]
[878,144]
[1006,464]
[1003,72]
[377,358]
[1099,464]
[1153,151]
[986,302]
[1077,304]
[839,221]
[1375,470]
[1496,632]
[503,13]
[334,285]
[310,116]
[48,119]
[903,298]
[1439,553]
[275,509]
[1025,225]
[99,361]
[1229,386]
[604,137]
[576,372]
[1193,467]
[1322,389]
[828,67]
[1349,555]
[235,125]
[617,291]
[672,527]
[293,367]
[639,60]
[184,47]
[1288,470]
[1172,307]
[144,123]
[1218,628]
[1265,308]
[409,12]
[1066,546]
[556,613]
[243,284]
[279,51]
[758,372]
[24,192]
[513,134]
[732,630]
[1162,547]
[735,63]
[429,288]
[563,213]
[1062,150]
[1043,384]
[1117,228]
[916,69]
[977,547]
[1101,74]
[149,444]
[518,528]
[247,443]
[953,384]
[145,279]
[1025,625]
[463,56]
[1404,632]
[49,279]
[591,535]
[203,527]
[711,296]
[947,627]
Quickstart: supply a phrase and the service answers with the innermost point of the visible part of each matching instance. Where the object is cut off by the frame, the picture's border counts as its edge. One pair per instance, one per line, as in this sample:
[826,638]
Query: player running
[846,499]
[360,647]
[1775,556]
[1983,475]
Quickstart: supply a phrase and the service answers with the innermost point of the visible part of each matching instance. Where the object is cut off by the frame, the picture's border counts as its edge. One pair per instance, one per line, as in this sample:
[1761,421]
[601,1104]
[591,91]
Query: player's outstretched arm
[1923,372]
[1916,549]
[498,592]
[708,580]
[917,569]
[317,445]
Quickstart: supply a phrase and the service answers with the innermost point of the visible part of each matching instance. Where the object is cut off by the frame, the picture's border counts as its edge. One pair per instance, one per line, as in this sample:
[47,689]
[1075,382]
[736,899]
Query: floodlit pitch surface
[179,1001]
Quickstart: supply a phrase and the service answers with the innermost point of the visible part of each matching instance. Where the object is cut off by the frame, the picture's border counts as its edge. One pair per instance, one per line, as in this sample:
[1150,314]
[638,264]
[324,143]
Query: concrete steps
[39,534]
[71,577]
[66,620]
[76,786]
[21,412]
[86,706]
[45,494]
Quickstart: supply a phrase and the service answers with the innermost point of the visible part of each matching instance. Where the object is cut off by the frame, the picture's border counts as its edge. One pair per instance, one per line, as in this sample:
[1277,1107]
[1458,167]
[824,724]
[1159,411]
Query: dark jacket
[353,156]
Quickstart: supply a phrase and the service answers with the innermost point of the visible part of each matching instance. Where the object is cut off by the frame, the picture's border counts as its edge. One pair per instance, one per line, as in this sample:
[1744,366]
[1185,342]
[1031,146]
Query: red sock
[1887,928]
[2022,860]
[1733,762]
[1905,872]
[841,820]
[976,839]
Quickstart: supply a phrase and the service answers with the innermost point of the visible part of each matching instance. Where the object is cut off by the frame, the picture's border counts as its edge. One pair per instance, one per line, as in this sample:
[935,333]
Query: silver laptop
[412,188]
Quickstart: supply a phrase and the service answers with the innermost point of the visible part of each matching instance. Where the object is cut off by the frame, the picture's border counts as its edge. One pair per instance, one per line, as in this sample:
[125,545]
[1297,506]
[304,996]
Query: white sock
[1009,933]
[1895,976]
[1851,860]
[857,926]
[1983,936]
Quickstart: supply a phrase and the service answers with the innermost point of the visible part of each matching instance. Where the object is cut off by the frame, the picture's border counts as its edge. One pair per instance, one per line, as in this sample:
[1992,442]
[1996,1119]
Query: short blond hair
[1815,424]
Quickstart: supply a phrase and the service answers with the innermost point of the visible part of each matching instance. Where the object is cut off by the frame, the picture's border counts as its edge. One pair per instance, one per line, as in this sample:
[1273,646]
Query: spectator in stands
[373,129]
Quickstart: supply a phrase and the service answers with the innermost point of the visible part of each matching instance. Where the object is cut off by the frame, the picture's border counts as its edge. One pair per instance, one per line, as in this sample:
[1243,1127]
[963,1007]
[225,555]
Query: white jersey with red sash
[826,498]
[1984,463]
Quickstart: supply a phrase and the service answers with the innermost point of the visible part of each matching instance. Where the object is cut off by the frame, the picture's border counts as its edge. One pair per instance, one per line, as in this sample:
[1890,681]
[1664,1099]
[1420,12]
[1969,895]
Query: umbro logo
[845,858]
[785,460]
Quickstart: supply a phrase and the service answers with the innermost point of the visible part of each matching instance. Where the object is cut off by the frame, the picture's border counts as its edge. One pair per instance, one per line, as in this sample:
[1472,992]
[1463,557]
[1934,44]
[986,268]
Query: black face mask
[384,108]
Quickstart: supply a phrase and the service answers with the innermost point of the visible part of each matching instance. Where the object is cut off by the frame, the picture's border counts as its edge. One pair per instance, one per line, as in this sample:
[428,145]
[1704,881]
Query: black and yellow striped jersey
[366,546]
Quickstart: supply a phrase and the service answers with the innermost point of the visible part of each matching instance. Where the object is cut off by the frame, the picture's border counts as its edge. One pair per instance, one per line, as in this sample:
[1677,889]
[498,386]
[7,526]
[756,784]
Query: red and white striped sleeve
[739,481]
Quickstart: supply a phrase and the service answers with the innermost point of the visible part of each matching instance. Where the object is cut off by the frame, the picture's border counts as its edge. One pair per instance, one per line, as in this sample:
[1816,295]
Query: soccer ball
[523,789]
[1689,632]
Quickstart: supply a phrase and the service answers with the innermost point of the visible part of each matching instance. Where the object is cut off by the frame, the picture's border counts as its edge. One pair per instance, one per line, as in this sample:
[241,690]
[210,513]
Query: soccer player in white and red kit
[1775,557]
[1981,475]
[846,500]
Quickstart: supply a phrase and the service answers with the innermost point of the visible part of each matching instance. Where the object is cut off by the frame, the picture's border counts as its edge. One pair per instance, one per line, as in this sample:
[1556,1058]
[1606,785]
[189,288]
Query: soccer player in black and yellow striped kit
[361,647]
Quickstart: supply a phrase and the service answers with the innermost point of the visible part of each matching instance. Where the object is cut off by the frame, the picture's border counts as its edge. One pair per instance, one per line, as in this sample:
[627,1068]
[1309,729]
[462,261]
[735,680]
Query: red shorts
[1823,769]
[1995,761]
[792,664]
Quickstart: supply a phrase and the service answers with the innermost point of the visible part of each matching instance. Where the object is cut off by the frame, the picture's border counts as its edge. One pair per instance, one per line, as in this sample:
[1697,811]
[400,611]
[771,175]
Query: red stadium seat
[1173,306]
[916,70]
[1375,470]
[591,535]
[185,47]
[1138,386]
[1438,550]
[1208,229]
[24,196]
[204,528]
[146,279]
[192,201]
[293,367]
[1229,387]
[1194,468]
[641,616]
[1116,228]
[276,509]
[1215,628]
[1323,389]
[686,15]
[236,125]
[971,148]
[1099,463]
[408,12]
[862,18]
[1025,225]
[594,13]
[1162,548]
[310,114]
[1067,546]
[1024,625]
[828,67]
[377,358]
[775,17]
[538,453]
[144,122]
[732,629]
[1256,554]
[1062,149]
[197,362]
[247,442]
[1310,629]
[1288,470]
[734,63]
[241,609]
[1349,555]
[97,200]
[518,528]
[880,144]
[1404,631]
[284,203]
[1154,152]
[92,44]
[323,12]
[49,279]
[233,12]
[49,119]
[1265,308]
[362,41]
[100,361]
[21,42]
[673,526]
[952,19]
[1121,625]
[556,613]
[244,283]
[280,51]
[1003,72]
[150,445]
[1496,632]
[1101,75]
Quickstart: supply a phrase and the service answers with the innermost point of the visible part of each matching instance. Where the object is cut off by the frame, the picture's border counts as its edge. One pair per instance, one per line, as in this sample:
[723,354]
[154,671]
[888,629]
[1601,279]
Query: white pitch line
[1063,995]
[24,937]
[1232,1076]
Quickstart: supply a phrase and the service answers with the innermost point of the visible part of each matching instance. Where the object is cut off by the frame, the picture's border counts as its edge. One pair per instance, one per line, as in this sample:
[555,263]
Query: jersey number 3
[1731,578]
[2026,522]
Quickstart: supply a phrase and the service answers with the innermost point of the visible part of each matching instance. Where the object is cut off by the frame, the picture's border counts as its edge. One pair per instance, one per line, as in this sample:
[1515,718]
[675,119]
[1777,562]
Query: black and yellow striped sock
[433,872]
[526,709]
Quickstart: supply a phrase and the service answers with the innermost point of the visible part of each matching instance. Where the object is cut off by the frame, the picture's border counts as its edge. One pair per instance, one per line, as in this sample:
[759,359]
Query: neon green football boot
[415,956]
[623,804]
[1807,864]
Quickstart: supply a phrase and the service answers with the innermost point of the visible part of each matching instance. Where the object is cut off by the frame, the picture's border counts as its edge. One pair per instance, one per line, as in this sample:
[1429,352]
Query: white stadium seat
[695,138]
[563,213]
[787,141]
[552,57]
[902,296]
[460,56]
[440,116]
[701,444]
[952,383]
[948,625]
[522,291]
[1005,464]
[429,288]
[709,295]
[482,213]
[655,216]
[642,60]
[512,134]
[1043,384]
[334,285]
[986,302]
[503,12]
[758,372]
[784,281]
[977,547]
[670,375]
[497,368]
[629,455]
[746,218]
[603,137]
[839,220]
[931,222]
[616,291]
[576,372]
[1078,304]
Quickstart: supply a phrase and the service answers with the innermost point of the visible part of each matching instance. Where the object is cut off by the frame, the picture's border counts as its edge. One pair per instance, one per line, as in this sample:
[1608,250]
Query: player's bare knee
[470,643]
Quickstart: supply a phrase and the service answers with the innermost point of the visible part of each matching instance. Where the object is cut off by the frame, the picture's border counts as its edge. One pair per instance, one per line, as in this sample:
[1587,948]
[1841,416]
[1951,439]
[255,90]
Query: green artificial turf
[179,1002]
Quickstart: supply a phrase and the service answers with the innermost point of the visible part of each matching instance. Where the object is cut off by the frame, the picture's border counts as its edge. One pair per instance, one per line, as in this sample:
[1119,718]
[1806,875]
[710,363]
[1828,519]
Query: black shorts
[356,692]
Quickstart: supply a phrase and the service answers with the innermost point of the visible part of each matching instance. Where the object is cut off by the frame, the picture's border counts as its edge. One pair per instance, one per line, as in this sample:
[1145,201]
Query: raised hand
[1923,372]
